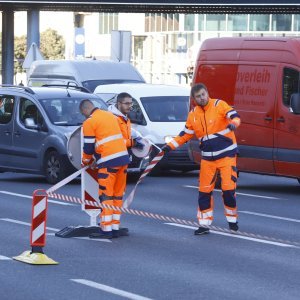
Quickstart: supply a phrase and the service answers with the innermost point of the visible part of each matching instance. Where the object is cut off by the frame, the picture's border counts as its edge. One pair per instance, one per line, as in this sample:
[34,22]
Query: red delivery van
[260,78]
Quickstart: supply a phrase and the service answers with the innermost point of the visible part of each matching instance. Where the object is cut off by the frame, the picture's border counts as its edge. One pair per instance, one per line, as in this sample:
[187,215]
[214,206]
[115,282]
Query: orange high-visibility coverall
[218,149]
[125,125]
[103,141]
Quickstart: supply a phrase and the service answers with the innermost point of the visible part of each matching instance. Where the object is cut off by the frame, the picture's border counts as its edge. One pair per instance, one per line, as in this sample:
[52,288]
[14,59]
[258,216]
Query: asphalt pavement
[159,260]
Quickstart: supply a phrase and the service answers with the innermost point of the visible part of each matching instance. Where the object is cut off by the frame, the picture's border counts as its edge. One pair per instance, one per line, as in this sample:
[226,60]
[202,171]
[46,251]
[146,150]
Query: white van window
[290,84]
[166,108]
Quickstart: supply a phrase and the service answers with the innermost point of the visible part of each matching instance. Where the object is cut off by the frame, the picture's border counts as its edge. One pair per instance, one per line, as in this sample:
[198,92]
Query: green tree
[52,46]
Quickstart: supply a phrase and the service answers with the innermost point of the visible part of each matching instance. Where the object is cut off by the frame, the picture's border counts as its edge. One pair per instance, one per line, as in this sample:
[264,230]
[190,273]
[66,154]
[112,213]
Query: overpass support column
[7,47]
[33,28]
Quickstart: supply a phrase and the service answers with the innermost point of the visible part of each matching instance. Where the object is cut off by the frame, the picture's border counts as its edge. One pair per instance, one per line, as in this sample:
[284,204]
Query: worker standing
[104,147]
[121,110]
[212,121]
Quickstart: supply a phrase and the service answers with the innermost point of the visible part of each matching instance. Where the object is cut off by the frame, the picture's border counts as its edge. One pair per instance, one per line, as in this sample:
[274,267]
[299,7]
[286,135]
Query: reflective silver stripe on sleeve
[212,136]
[174,143]
[109,139]
[216,153]
[189,131]
[89,140]
[109,157]
[230,113]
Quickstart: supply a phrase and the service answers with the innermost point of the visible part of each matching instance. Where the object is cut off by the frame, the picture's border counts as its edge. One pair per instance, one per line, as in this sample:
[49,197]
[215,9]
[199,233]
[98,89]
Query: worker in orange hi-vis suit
[212,121]
[121,110]
[104,148]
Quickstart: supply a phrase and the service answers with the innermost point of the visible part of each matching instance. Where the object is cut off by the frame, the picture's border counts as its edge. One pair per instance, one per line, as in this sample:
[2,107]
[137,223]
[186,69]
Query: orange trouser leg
[119,190]
[228,172]
[207,179]
[106,180]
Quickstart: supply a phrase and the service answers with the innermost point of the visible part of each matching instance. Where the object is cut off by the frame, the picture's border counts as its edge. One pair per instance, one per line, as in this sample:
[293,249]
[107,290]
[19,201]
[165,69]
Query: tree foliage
[52,46]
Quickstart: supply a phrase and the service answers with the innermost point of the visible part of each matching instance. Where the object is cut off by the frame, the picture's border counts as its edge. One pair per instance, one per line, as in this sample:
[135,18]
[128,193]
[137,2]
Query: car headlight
[168,138]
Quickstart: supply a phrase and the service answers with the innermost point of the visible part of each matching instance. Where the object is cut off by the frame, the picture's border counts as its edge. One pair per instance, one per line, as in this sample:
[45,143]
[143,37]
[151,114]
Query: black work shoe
[233,226]
[101,235]
[120,232]
[201,230]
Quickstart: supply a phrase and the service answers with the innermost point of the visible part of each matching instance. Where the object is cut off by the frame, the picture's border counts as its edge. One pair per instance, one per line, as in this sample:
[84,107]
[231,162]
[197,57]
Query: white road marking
[242,194]
[54,229]
[4,258]
[237,236]
[109,289]
[268,216]
[30,197]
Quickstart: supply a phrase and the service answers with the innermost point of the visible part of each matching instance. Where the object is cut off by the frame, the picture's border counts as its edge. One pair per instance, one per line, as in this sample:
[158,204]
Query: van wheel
[54,167]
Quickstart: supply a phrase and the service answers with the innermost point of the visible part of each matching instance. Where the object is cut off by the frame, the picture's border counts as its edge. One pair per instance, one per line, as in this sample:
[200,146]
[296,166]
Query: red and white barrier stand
[38,232]
[90,192]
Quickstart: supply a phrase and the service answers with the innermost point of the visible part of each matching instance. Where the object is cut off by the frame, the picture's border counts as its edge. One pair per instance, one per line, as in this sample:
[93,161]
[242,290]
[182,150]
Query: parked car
[260,77]
[159,113]
[85,73]
[35,124]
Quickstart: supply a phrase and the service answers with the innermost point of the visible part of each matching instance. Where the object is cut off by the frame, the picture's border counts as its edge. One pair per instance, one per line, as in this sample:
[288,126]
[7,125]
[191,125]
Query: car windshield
[65,111]
[166,108]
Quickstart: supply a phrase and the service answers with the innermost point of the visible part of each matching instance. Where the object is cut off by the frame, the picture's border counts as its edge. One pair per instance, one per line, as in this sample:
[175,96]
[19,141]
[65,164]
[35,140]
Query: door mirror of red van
[295,104]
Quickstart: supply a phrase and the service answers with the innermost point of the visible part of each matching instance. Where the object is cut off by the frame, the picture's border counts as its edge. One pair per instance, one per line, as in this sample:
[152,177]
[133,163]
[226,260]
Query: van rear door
[287,125]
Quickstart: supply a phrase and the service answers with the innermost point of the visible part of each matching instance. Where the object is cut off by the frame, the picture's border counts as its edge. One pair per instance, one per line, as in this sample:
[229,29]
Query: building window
[281,22]
[189,22]
[215,22]
[237,23]
[296,23]
[200,22]
[259,22]
[108,22]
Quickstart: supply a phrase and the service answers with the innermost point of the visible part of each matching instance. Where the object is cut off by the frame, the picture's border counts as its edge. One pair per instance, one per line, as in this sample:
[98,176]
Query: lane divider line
[239,236]
[238,193]
[30,197]
[4,258]
[52,229]
[269,216]
[109,289]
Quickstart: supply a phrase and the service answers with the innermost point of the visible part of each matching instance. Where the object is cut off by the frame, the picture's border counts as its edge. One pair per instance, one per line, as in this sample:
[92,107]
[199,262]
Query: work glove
[91,163]
[231,127]
[138,144]
[166,148]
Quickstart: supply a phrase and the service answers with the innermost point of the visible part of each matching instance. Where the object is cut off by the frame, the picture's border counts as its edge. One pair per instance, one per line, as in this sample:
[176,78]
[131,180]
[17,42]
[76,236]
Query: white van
[84,73]
[159,113]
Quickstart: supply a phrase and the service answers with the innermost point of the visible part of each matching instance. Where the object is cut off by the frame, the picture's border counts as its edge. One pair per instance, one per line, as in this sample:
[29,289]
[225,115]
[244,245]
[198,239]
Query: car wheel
[54,167]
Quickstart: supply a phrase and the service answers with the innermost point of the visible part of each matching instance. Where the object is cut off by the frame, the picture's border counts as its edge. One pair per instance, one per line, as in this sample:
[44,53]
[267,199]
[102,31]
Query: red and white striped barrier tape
[151,165]
[167,218]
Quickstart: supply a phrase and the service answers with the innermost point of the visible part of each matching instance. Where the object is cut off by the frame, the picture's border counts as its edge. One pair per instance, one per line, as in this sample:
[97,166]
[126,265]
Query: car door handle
[7,132]
[268,119]
[17,133]
[281,119]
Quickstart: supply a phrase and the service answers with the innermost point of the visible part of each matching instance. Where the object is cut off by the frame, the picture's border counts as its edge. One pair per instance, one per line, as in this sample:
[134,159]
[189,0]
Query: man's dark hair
[121,96]
[197,87]
[84,103]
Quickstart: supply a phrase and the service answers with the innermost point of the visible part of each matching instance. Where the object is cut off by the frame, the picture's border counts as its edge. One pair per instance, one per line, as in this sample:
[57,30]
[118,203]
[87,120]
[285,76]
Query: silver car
[35,124]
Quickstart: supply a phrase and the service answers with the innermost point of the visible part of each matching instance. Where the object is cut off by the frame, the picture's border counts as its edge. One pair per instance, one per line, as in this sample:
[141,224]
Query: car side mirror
[30,124]
[295,104]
